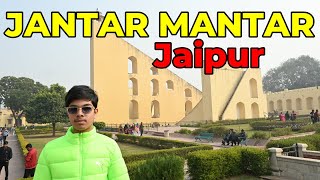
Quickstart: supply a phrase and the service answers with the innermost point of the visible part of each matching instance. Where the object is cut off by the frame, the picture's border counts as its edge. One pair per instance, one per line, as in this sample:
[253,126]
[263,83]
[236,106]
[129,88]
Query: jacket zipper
[81,158]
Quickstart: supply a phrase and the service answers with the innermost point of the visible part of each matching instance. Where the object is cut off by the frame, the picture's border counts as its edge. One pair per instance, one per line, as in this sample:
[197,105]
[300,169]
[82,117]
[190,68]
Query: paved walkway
[16,164]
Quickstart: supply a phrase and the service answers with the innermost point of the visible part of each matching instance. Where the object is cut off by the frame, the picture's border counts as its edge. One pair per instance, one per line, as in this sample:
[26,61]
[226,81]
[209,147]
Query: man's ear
[96,111]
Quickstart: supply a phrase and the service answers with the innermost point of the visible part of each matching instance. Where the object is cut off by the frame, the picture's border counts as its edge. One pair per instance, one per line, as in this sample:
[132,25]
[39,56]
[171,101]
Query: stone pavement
[16,164]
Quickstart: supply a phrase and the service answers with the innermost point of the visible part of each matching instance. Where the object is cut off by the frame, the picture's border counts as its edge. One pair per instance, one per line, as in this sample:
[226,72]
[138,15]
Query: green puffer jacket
[81,156]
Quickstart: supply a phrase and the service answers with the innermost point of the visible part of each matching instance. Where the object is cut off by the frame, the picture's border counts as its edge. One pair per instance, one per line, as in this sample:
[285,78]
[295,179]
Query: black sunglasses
[85,109]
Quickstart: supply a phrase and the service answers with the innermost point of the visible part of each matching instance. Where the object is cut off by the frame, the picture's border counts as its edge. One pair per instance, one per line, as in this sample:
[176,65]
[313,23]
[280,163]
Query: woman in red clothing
[282,117]
[30,161]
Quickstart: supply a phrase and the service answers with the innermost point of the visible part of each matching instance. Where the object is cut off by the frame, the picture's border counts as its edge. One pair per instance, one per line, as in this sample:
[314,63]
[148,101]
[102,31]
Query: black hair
[81,92]
[5,142]
[29,145]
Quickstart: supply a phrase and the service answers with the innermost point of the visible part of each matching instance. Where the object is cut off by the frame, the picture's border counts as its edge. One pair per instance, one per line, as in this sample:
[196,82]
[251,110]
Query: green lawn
[38,141]
[128,149]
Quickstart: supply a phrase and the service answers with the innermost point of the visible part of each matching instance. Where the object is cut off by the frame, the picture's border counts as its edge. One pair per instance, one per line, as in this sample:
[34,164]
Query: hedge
[22,142]
[182,152]
[218,131]
[152,142]
[106,134]
[313,142]
[223,163]
[269,125]
[233,122]
[164,167]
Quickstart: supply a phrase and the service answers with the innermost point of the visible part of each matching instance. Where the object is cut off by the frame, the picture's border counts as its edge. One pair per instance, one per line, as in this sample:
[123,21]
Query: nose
[79,112]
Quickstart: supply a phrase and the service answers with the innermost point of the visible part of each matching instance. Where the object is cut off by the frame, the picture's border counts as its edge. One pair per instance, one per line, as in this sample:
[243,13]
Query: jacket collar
[85,136]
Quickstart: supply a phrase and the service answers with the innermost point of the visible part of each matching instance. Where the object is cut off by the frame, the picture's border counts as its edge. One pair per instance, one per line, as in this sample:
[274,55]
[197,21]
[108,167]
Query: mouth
[80,121]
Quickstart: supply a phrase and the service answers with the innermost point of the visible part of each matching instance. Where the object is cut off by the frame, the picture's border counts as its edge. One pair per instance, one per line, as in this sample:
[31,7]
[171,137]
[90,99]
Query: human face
[82,122]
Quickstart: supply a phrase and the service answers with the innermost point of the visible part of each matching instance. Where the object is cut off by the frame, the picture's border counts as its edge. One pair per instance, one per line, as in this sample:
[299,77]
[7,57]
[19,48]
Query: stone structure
[136,91]
[301,100]
[230,94]
[6,118]
[295,167]
[139,92]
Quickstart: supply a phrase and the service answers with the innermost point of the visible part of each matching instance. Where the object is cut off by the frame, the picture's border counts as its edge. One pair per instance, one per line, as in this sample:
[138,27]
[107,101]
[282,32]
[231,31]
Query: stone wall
[295,167]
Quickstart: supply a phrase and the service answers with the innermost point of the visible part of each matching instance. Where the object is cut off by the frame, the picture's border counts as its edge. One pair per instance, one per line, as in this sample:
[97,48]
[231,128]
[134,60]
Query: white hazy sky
[66,60]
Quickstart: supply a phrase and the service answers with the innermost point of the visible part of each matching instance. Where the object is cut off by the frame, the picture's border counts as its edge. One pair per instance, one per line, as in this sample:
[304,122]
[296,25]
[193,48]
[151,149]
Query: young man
[30,161]
[243,137]
[82,153]
[5,156]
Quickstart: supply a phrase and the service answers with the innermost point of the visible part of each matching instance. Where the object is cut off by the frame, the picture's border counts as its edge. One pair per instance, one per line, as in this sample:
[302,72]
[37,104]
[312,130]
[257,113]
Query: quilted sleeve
[42,169]
[118,169]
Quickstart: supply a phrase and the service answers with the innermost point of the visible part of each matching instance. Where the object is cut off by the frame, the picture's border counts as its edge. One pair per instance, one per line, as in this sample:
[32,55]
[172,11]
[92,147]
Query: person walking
[5,134]
[30,161]
[5,156]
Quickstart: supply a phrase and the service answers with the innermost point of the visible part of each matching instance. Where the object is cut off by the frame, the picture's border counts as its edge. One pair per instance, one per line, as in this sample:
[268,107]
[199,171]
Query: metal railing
[291,151]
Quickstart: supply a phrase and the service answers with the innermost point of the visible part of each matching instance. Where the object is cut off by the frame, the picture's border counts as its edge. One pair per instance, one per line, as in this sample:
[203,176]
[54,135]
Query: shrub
[106,134]
[281,132]
[223,163]
[166,167]
[191,125]
[269,125]
[99,125]
[218,131]
[198,131]
[232,122]
[313,142]
[255,161]
[259,135]
[182,152]
[310,127]
[184,131]
[133,168]
[152,142]
[22,142]
[36,131]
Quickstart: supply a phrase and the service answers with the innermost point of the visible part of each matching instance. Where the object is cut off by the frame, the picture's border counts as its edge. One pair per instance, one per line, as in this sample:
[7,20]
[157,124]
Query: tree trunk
[14,117]
[53,129]
[17,120]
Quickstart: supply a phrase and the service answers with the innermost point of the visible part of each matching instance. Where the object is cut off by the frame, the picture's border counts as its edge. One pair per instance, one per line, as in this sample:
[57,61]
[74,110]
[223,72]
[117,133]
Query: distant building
[6,118]
[301,100]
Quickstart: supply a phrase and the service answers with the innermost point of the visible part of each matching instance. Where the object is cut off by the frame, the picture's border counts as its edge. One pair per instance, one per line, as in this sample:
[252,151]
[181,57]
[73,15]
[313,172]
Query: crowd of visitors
[134,129]
[288,116]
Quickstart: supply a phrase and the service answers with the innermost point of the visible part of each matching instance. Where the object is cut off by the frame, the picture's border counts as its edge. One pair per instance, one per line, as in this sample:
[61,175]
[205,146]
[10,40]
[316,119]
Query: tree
[293,74]
[47,106]
[99,125]
[15,93]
